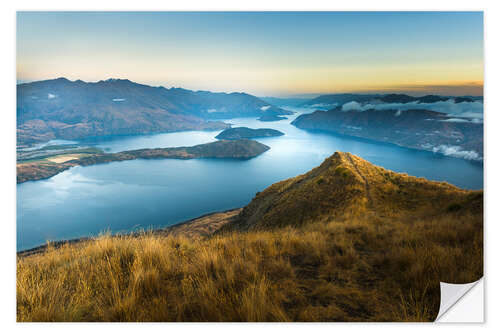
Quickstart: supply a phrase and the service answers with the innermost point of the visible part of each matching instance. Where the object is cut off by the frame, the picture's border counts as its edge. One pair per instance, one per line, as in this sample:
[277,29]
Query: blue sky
[270,53]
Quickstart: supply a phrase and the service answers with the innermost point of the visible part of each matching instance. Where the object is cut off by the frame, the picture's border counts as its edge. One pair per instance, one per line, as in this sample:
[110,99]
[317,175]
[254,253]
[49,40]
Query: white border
[7,114]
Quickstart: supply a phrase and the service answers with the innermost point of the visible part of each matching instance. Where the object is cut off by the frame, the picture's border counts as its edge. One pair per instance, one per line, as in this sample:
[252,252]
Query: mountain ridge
[342,98]
[64,109]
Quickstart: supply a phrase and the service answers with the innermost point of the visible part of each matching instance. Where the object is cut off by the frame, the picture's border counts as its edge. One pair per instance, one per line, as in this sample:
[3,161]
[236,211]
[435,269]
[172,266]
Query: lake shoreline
[165,231]
[236,149]
[389,144]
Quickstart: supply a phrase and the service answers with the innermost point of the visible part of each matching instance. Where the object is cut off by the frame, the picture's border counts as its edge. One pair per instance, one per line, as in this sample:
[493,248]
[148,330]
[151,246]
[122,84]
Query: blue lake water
[131,195]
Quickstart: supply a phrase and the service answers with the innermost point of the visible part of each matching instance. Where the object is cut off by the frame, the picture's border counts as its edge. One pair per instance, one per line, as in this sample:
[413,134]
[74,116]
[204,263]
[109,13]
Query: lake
[139,194]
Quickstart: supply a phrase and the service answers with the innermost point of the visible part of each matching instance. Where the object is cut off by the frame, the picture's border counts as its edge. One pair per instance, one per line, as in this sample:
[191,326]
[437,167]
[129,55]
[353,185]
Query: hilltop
[64,109]
[236,133]
[48,167]
[345,186]
[346,241]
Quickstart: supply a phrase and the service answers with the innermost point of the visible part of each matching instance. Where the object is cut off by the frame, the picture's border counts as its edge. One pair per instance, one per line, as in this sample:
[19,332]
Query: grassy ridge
[345,186]
[362,264]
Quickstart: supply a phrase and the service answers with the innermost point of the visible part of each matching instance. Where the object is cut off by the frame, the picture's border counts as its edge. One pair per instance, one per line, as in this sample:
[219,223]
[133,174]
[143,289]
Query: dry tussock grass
[347,241]
[358,270]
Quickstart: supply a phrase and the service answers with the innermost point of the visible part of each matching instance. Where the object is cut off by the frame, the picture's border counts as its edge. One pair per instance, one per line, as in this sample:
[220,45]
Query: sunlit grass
[347,241]
[334,271]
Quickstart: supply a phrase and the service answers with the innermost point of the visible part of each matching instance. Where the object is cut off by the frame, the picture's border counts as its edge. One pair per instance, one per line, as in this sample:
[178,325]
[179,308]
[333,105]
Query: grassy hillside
[344,187]
[347,241]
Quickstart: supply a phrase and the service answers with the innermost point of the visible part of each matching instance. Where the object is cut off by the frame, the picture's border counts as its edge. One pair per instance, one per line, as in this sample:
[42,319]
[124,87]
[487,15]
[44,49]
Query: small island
[237,133]
[271,117]
[46,168]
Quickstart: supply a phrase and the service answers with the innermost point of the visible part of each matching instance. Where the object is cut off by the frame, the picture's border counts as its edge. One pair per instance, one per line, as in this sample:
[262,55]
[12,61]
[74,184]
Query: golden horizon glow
[330,52]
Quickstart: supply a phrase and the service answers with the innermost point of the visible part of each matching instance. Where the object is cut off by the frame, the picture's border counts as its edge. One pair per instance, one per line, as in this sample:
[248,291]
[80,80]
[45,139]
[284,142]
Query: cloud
[264,108]
[50,96]
[118,99]
[324,106]
[456,151]
[456,120]
[352,106]
[464,109]
[212,110]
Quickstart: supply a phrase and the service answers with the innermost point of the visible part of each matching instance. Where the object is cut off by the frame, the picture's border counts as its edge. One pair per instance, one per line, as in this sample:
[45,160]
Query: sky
[266,54]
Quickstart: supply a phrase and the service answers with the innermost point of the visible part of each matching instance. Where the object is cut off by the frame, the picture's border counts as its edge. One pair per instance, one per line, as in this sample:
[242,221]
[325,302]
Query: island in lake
[47,167]
[237,133]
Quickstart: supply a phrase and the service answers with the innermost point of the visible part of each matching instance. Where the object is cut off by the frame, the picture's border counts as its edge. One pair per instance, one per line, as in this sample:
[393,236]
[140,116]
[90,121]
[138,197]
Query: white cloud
[456,151]
[212,110]
[465,109]
[325,106]
[264,108]
[50,96]
[456,120]
[118,99]
[352,106]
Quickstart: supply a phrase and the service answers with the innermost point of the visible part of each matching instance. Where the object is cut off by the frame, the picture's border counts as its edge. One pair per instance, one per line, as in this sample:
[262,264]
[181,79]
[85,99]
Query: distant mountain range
[339,99]
[66,109]
[285,101]
[449,125]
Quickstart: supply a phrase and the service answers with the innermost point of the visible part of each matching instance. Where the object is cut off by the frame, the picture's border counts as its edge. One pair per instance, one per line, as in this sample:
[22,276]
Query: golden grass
[346,186]
[347,241]
[357,270]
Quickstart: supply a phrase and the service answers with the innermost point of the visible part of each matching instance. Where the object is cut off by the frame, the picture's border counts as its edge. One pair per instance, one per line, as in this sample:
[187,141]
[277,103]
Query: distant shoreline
[233,149]
[163,230]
